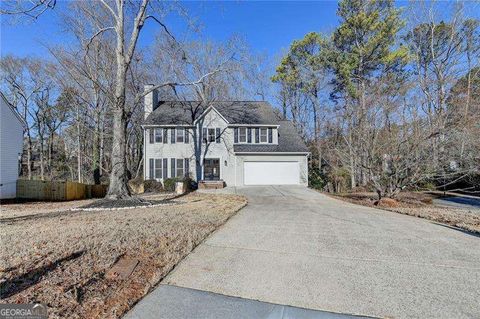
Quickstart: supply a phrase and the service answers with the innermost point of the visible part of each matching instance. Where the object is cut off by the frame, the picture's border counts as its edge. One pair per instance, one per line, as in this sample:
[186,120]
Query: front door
[211,169]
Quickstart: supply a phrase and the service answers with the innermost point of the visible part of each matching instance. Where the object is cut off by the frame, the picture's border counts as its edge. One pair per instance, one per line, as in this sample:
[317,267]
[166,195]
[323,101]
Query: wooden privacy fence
[58,190]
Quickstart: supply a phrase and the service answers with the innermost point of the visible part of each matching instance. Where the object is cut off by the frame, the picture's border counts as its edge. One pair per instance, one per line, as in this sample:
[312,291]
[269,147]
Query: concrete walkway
[294,246]
[183,303]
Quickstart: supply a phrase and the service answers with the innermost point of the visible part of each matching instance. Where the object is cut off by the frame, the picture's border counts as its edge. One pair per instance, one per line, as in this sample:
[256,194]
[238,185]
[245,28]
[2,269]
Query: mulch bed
[116,204]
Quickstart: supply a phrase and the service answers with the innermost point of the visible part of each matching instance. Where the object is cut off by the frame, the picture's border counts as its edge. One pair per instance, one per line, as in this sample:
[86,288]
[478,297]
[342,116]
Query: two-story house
[237,142]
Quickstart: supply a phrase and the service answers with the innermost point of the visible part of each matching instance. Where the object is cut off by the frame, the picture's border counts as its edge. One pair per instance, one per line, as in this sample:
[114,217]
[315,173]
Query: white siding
[231,166]
[11,144]
[222,150]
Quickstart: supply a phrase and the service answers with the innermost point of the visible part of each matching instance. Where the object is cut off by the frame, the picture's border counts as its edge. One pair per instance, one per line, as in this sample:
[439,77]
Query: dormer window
[263,135]
[211,135]
[242,135]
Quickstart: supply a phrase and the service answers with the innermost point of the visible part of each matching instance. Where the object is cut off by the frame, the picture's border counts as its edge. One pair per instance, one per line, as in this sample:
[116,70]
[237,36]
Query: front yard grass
[419,205]
[62,258]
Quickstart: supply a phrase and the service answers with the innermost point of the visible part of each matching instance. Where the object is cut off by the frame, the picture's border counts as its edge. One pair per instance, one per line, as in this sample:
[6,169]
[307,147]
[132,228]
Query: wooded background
[389,100]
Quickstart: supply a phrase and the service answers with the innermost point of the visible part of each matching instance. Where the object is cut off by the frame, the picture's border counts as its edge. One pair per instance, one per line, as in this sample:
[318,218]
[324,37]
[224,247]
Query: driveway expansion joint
[374,260]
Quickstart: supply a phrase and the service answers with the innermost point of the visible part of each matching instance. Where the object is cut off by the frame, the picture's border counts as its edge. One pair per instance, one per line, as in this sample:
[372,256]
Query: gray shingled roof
[288,141]
[237,112]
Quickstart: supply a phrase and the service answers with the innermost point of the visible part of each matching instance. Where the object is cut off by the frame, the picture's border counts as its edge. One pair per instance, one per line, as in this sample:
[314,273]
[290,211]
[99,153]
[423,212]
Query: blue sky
[269,27]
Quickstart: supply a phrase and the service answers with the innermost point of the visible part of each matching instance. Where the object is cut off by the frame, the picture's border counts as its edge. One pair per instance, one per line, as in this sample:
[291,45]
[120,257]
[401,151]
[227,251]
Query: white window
[211,135]
[158,168]
[263,135]
[180,135]
[158,135]
[242,134]
[180,169]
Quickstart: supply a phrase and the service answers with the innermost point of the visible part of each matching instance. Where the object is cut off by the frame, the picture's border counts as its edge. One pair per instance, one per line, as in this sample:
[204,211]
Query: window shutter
[257,135]
[249,135]
[158,167]
[217,135]
[150,133]
[187,136]
[270,135]
[150,169]
[165,168]
[235,133]
[204,135]
[172,161]
[187,167]
[165,136]
[172,138]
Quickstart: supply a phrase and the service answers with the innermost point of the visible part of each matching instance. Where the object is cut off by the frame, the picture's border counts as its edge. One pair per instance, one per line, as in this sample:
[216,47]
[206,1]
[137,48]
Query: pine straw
[60,259]
[420,205]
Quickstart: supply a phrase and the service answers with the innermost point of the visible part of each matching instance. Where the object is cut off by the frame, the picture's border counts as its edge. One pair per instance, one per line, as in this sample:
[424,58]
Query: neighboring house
[238,142]
[11,147]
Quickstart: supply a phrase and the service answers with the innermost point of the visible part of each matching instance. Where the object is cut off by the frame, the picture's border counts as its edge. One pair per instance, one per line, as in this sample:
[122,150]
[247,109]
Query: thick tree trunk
[29,157]
[197,145]
[50,147]
[79,150]
[42,160]
[118,178]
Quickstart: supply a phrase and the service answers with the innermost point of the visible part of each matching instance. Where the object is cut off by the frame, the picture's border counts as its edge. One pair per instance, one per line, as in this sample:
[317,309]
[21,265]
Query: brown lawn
[62,258]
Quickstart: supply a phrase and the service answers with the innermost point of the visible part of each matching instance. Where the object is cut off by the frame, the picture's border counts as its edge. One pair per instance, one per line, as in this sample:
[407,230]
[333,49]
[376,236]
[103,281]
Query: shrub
[191,184]
[151,185]
[316,178]
[169,183]
[136,185]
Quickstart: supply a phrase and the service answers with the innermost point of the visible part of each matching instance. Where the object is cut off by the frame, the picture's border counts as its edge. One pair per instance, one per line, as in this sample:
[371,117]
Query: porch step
[211,184]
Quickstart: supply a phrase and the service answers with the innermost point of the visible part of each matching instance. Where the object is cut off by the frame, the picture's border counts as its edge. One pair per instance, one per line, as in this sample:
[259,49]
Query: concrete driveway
[294,246]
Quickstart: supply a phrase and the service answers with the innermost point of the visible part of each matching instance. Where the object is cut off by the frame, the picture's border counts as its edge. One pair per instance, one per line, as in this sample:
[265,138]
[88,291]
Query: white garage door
[271,173]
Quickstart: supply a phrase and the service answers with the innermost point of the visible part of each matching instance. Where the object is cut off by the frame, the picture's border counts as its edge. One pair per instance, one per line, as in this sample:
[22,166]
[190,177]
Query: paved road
[459,202]
[294,246]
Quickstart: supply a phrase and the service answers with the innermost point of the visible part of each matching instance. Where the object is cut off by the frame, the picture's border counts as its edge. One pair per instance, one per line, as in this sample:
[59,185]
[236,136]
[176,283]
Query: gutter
[166,125]
[254,125]
[273,153]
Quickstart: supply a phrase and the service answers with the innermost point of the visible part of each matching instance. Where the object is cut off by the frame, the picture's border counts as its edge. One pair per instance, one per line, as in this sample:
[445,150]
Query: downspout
[236,184]
[306,165]
[145,154]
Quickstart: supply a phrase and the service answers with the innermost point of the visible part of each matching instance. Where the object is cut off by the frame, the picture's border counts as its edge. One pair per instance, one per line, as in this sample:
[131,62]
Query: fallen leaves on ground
[419,205]
[59,257]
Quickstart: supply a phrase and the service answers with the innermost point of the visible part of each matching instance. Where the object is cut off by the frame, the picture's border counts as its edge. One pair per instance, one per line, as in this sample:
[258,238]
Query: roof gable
[208,110]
